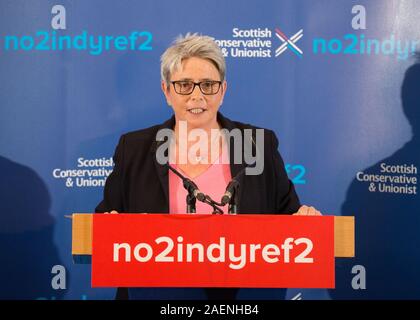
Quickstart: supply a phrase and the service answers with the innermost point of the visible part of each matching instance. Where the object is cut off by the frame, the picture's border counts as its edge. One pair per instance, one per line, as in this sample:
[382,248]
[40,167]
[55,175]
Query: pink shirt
[212,182]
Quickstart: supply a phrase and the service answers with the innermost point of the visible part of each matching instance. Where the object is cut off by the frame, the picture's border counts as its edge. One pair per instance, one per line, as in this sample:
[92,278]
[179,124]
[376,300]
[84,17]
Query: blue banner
[336,80]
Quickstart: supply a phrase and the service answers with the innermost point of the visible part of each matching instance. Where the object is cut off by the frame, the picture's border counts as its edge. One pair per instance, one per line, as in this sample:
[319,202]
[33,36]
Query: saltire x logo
[289,43]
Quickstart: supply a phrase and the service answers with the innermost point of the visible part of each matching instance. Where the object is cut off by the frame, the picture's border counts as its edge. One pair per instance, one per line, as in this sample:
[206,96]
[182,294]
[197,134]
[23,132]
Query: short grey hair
[188,46]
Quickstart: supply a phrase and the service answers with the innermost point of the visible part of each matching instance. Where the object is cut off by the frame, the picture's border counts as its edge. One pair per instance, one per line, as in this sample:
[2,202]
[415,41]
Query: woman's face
[198,109]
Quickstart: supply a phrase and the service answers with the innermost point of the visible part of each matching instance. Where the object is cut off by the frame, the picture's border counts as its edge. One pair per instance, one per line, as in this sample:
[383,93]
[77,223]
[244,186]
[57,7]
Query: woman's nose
[196,94]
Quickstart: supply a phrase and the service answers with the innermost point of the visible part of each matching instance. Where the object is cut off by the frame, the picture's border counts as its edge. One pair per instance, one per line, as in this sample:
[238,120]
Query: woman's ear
[224,87]
[165,90]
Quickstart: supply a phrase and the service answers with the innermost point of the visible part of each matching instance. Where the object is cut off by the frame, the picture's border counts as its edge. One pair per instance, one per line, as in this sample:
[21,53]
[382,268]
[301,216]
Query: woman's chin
[198,120]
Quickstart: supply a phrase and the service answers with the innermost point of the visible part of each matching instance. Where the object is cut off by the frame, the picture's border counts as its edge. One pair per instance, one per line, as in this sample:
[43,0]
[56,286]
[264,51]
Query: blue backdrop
[344,106]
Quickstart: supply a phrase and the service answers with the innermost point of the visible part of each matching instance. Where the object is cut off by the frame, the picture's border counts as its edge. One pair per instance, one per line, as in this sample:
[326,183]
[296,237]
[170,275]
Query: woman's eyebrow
[201,79]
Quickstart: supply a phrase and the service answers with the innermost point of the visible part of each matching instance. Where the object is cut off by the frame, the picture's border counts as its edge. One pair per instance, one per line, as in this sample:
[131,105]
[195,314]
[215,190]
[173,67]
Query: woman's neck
[184,128]
[204,145]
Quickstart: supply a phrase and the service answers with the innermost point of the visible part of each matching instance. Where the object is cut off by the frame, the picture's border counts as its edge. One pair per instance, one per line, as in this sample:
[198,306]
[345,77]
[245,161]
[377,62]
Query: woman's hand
[307,211]
[112,212]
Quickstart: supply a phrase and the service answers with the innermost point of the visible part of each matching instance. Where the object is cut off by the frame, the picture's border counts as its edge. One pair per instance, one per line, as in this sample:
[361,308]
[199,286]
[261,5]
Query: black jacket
[139,183]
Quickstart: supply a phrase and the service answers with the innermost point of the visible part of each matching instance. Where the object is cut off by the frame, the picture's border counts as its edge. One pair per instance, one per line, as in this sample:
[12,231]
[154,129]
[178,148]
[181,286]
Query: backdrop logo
[354,44]
[43,40]
[359,44]
[60,39]
[395,178]
[296,173]
[258,43]
[289,43]
[88,173]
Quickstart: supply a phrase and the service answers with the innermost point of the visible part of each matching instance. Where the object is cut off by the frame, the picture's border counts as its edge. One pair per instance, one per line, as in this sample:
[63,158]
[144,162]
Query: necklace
[201,154]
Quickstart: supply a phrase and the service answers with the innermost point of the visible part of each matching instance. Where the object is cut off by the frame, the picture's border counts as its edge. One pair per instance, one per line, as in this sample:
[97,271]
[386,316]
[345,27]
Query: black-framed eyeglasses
[186,87]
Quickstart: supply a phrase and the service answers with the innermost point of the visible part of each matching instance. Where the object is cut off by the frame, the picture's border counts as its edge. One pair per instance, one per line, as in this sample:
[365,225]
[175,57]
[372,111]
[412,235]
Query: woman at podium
[198,152]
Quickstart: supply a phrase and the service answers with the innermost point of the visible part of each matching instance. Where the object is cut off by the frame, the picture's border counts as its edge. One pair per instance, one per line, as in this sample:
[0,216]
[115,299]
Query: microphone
[230,191]
[233,186]
[189,185]
[193,191]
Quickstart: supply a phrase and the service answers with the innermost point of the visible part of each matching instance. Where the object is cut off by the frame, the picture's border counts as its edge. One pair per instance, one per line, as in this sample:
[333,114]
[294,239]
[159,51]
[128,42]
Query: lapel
[162,170]
[235,168]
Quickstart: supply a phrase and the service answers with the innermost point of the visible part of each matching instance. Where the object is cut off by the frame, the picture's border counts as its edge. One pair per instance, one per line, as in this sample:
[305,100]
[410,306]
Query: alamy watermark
[196,146]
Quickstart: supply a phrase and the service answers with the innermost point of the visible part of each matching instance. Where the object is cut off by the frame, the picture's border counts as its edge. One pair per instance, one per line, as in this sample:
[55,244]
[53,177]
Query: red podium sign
[180,250]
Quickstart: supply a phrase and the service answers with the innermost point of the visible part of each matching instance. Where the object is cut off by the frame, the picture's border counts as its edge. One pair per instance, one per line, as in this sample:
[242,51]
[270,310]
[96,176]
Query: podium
[197,250]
